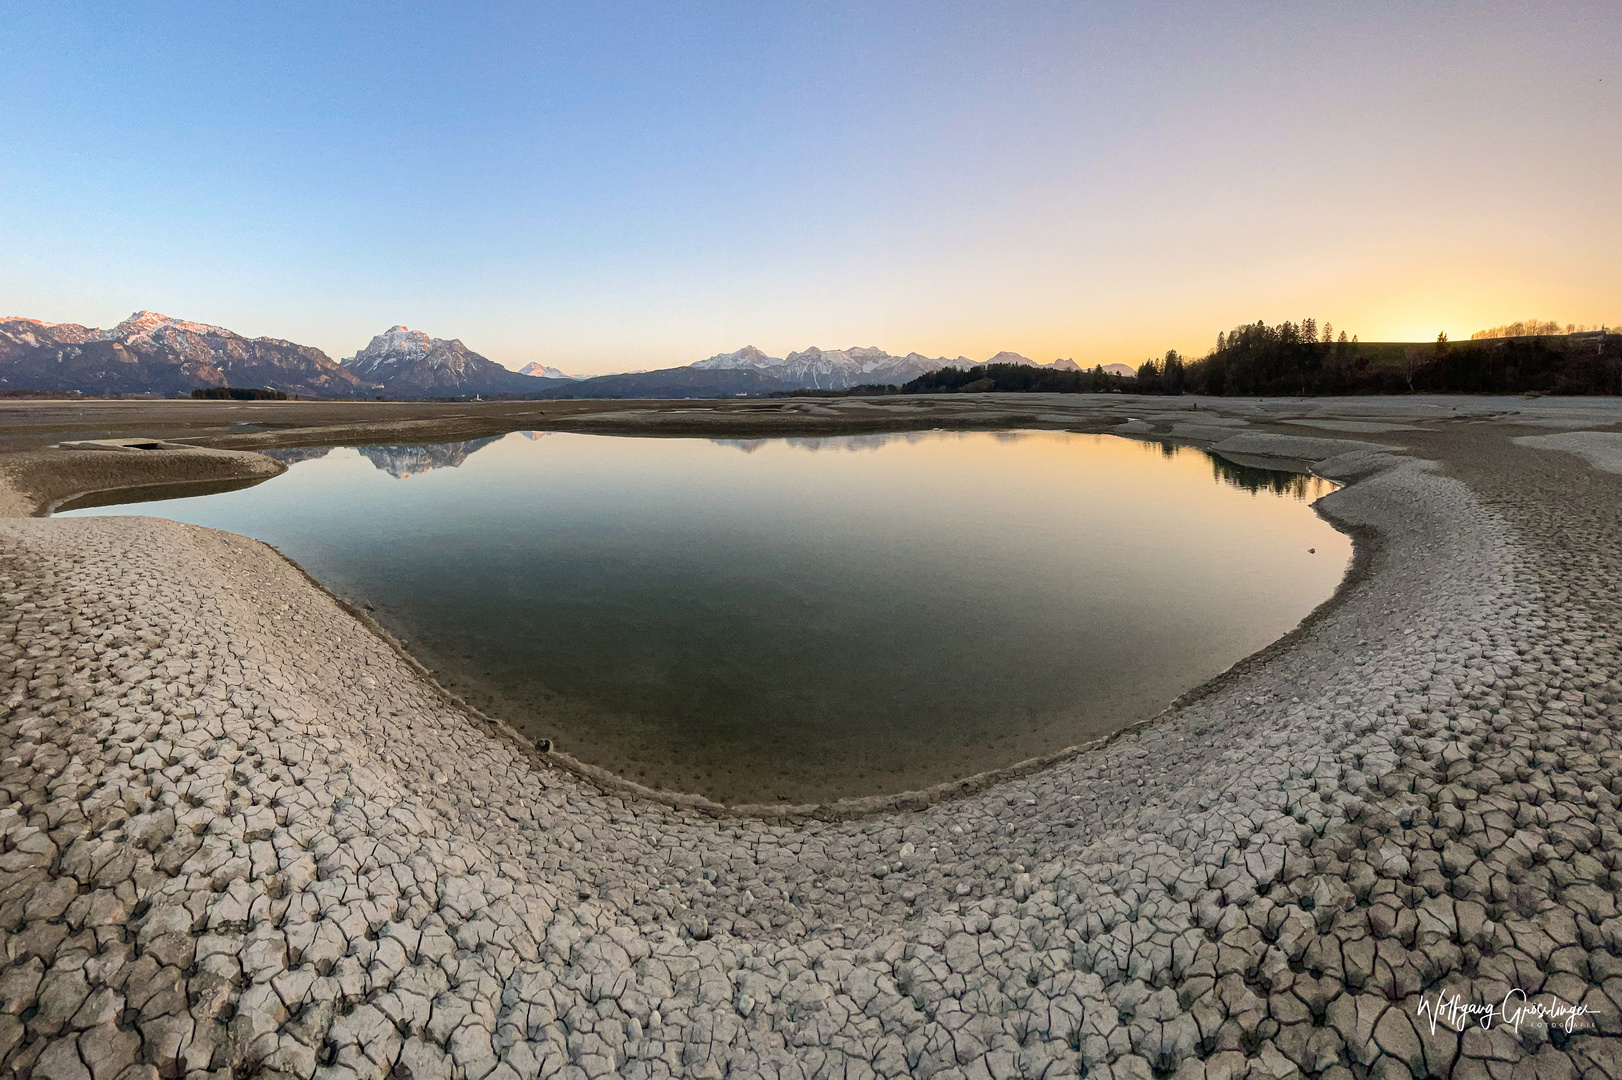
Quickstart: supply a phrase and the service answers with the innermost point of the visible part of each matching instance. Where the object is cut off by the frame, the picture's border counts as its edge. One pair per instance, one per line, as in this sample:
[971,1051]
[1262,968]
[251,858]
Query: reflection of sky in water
[936,601]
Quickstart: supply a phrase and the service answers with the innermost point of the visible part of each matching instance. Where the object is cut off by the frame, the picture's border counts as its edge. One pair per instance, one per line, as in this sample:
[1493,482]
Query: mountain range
[149,353]
[839,369]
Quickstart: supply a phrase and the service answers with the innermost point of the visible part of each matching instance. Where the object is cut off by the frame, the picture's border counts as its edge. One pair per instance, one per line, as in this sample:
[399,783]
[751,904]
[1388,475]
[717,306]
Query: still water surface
[804,619]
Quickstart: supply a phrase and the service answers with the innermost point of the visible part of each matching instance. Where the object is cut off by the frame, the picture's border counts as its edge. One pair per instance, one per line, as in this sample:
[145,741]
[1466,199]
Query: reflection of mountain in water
[850,444]
[295,454]
[403,461]
[1248,477]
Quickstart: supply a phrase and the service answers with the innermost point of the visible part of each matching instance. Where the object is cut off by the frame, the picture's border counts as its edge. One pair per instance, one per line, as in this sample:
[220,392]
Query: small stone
[1392,862]
[60,1061]
[19,984]
[60,995]
[108,1050]
[50,900]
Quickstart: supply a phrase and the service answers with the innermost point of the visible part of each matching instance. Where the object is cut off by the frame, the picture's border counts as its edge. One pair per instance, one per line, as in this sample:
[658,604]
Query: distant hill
[677,382]
[150,353]
[409,364]
[1006,377]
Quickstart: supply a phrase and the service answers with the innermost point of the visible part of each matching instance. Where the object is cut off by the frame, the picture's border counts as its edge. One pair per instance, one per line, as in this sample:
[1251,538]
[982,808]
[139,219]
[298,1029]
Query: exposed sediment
[38,481]
[242,836]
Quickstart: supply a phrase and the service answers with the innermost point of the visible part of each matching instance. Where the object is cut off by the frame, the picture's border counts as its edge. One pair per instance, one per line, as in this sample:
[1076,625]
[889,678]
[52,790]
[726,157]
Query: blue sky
[617,186]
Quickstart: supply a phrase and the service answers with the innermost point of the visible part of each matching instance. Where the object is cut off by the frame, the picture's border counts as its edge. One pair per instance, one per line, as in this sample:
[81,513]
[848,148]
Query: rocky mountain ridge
[676,382]
[150,353]
[409,363]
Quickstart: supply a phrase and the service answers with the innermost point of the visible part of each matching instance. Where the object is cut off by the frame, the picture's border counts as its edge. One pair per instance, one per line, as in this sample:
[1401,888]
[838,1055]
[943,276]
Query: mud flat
[244,836]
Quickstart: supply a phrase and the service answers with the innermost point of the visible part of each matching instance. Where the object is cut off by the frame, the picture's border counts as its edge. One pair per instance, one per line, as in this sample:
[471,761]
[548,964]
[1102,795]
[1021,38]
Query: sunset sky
[614,186]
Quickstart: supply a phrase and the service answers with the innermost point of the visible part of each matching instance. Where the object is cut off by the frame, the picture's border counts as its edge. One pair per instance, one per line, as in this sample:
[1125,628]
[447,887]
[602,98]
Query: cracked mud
[243,837]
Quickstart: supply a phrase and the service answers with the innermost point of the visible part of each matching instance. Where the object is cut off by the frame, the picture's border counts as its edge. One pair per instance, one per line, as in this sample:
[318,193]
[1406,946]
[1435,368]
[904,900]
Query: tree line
[1534,328]
[238,393]
[1017,379]
[1308,358]
[1305,359]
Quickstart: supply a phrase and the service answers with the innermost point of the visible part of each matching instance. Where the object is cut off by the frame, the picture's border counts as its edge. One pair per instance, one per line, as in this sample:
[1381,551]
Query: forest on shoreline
[1295,359]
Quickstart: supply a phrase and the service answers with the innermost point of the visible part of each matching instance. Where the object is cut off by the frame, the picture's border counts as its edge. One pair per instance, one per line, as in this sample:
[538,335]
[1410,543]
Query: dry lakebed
[245,834]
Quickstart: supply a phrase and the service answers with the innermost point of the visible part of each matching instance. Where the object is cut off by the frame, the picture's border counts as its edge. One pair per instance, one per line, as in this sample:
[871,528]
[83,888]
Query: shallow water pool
[804,619]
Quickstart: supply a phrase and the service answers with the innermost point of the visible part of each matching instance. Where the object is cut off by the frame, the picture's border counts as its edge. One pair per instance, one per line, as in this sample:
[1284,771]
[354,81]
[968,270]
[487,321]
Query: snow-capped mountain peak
[400,345]
[746,357]
[546,371]
[150,352]
[146,324]
[831,369]
[1013,358]
[410,363]
[836,369]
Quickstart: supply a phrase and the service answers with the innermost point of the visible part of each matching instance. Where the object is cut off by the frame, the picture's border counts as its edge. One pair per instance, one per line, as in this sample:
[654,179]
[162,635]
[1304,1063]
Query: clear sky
[614,186]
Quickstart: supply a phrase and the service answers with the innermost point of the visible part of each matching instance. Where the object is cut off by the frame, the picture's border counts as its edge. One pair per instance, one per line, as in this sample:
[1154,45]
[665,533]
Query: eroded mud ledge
[241,833]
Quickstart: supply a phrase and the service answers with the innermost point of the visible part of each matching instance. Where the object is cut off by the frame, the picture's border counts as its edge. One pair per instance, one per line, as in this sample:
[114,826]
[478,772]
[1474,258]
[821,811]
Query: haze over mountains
[149,353]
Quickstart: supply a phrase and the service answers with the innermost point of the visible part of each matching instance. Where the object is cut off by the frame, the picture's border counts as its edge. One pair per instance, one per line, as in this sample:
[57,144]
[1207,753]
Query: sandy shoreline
[225,849]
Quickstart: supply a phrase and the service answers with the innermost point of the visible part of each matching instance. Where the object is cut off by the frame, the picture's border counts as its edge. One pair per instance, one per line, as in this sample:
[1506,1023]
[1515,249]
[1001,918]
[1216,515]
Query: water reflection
[811,618]
[1249,478]
[401,462]
[849,444]
[294,454]
[1302,486]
